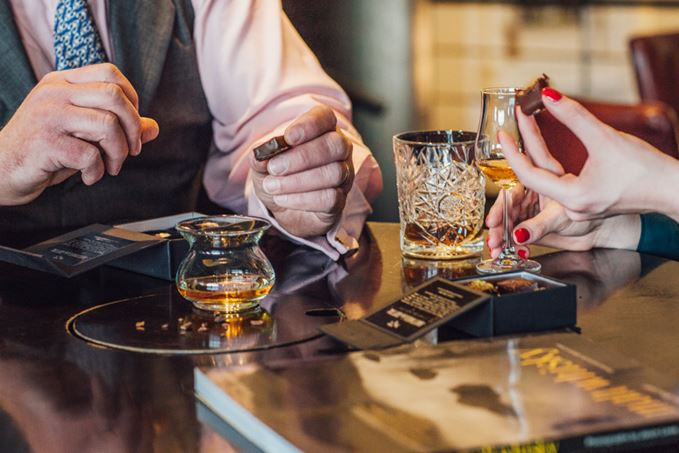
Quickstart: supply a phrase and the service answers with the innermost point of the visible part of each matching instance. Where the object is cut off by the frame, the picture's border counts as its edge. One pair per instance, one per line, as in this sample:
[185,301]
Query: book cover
[549,393]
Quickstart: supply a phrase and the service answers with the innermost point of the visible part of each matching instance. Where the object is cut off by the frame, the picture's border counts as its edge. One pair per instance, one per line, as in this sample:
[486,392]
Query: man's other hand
[306,187]
[81,120]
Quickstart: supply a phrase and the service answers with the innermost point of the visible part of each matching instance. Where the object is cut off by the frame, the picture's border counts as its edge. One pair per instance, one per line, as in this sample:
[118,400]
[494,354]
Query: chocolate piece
[483,286]
[530,99]
[516,285]
[272,148]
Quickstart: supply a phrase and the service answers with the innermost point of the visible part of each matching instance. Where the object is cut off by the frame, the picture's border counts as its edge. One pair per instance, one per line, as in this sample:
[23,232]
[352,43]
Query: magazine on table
[557,392]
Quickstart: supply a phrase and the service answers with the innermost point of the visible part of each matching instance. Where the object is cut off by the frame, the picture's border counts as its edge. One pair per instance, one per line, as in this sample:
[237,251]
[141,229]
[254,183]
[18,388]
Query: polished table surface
[59,393]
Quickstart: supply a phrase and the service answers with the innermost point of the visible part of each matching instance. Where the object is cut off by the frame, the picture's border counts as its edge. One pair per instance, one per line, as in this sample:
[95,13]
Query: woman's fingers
[535,145]
[587,127]
[551,219]
[542,181]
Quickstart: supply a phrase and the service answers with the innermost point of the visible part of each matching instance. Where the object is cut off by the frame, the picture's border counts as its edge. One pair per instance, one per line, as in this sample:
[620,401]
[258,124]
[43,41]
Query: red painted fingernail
[521,235]
[487,241]
[522,254]
[552,94]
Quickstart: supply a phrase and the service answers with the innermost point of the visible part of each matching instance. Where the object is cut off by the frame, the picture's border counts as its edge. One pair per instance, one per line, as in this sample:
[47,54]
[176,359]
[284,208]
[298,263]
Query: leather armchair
[653,122]
[656,64]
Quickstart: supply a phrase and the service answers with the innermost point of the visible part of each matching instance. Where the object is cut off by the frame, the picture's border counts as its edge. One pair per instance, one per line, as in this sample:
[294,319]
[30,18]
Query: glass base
[442,252]
[506,264]
[239,308]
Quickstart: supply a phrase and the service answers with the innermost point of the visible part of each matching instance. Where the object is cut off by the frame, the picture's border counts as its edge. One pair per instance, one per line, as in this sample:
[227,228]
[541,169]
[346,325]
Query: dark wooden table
[59,393]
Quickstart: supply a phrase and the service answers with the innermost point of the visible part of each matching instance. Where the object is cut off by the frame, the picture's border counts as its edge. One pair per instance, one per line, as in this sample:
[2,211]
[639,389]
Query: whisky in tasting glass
[498,113]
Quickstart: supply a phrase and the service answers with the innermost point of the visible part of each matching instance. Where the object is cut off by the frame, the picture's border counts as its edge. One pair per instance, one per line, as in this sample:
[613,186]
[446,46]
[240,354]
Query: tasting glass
[225,269]
[498,113]
[441,194]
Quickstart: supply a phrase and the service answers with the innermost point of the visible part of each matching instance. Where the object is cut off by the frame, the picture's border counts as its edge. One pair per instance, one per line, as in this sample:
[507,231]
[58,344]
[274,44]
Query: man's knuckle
[108,120]
[335,144]
[42,91]
[328,197]
[332,174]
[49,77]
[110,69]
[113,92]
[330,117]
[134,124]
[89,155]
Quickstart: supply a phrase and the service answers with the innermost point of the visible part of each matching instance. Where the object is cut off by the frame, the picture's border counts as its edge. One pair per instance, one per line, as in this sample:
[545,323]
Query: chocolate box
[78,251]
[160,260]
[552,307]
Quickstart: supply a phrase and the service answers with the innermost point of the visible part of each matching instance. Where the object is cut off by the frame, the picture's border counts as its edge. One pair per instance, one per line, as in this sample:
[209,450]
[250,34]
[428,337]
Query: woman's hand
[622,174]
[543,220]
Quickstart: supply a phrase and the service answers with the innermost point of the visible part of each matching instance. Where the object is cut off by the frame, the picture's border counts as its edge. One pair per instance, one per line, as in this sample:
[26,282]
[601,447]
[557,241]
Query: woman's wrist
[664,186]
[619,232]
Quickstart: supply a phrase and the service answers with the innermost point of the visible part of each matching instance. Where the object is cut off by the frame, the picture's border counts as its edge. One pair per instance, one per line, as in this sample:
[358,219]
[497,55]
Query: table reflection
[51,382]
[101,402]
[415,272]
[597,273]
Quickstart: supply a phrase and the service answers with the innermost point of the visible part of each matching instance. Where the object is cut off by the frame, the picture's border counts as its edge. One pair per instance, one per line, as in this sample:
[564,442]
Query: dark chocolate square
[530,99]
[272,148]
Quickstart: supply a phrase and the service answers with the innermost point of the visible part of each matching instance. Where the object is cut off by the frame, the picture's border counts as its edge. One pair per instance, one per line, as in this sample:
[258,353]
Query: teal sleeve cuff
[659,236]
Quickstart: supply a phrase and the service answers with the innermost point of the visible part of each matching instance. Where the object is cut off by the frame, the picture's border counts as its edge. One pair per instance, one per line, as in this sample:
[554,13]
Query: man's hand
[305,188]
[83,119]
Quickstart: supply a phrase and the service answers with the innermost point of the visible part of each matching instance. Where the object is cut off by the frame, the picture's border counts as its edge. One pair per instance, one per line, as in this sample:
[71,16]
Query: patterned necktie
[76,40]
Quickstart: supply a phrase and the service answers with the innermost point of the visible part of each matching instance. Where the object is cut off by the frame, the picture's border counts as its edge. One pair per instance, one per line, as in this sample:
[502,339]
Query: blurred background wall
[366,47]
[413,64]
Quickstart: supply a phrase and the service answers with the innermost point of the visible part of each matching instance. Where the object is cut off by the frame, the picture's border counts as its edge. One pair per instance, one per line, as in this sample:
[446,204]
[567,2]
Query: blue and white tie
[76,40]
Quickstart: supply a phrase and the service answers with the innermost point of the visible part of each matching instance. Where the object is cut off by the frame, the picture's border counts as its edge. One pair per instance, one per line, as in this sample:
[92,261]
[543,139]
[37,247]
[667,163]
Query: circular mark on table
[168,324]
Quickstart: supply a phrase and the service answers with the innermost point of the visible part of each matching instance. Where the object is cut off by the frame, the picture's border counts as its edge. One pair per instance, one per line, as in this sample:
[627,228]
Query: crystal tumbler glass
[441,194]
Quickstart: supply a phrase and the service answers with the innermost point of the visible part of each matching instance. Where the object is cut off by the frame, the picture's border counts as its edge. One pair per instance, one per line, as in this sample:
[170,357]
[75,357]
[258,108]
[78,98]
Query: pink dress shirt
[258,75]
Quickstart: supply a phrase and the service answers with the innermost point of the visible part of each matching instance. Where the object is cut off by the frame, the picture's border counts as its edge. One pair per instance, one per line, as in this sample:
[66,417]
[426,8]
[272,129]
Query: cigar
[530,99]
[272,148]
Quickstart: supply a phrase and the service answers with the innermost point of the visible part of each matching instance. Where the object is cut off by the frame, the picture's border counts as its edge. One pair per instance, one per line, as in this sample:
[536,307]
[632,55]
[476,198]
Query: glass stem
[507,237]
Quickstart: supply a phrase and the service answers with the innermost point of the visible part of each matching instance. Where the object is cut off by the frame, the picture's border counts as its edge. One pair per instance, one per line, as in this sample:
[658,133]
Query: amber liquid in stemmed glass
[499,171]
[498,114]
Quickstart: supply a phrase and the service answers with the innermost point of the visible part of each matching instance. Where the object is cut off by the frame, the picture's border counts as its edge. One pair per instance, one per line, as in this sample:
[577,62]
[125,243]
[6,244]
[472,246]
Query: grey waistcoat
[153,46]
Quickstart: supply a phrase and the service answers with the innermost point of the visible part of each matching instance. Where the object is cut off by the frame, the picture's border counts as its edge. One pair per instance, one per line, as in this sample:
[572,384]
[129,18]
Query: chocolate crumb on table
[530,99]
[272,148]
[185,326]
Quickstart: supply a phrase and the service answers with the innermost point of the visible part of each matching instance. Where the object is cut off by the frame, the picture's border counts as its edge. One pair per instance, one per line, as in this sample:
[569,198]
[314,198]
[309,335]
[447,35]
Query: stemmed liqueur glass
[499,114]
